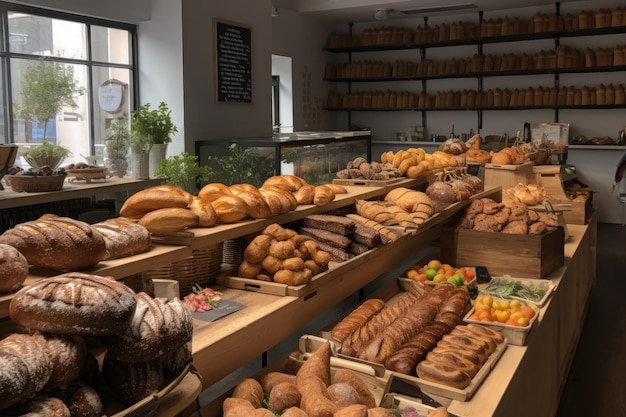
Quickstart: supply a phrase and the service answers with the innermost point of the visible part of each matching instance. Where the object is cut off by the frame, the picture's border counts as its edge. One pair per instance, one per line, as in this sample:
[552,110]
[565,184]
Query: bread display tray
[367,183]
[377,378]
[515,335]
[426,386]
[400,403]
[545,284]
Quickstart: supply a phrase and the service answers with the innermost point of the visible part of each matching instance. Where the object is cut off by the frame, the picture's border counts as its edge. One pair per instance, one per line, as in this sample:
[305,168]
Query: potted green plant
[183,171]
[48,154]
[117,143]
[242,165]
[156,125]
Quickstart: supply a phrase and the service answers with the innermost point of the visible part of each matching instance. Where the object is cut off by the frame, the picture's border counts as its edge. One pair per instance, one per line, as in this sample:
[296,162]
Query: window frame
[6,55]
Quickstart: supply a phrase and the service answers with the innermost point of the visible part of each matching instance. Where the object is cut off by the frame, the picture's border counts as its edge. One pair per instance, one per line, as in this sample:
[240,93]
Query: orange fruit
[528,312]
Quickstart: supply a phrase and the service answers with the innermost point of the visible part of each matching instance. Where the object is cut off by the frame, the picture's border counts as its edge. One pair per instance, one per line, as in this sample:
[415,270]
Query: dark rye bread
[323,236]
[336,254]
[336,224]
[366,235]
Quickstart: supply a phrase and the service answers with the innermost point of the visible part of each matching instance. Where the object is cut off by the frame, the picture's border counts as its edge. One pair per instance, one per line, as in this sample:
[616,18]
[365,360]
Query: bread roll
[13,268]
[323,195]
[214,190]
[66,355]
[305,194]
[169,220]
[58,243]
[123,237]
[237,407]
[271,379]
[249,389]
[351,378]
[343,394]
[25,368]
[159,327]
[229,208]
[283,396]
[74,303]
[354,410]
[501,158]
[39,406]
[203,208]
[153,198]
[81,400]
[337,189]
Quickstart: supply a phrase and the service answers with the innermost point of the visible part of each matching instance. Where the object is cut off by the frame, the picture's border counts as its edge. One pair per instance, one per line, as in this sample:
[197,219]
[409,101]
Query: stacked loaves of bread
[360,168]
[49,359]
[401,206]
[421,325]
[166,209]
[524,195]
[451,187]
[284,256]
[66,244]
[315,389]
[344,237]
[487,215]
[400,335]
[415,162]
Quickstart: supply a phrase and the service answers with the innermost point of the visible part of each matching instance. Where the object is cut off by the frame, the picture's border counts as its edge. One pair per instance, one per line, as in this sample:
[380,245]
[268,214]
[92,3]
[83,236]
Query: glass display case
[314,156]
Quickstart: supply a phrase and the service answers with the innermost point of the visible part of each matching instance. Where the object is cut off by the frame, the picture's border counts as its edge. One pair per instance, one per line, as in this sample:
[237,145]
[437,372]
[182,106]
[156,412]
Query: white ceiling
[342,11]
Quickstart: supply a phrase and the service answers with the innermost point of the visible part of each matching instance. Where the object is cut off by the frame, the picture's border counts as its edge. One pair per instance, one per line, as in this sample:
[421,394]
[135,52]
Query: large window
[88,63]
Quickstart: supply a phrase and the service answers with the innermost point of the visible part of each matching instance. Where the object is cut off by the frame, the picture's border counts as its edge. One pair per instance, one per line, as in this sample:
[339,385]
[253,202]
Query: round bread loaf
[13,268]
[159,327]
[153,198]
[58,243]
[24,368]
[66,355]
[131,382]
[74,303]
[40,406]
[82,400]
[123,237]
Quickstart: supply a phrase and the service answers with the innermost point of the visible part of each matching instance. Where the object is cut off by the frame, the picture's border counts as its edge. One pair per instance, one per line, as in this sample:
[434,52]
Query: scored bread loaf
[131,382]
[24,368]
[59,243]
[66,355]
[153,198]
[74,303]
[158,327]
[13,268]
[123,237]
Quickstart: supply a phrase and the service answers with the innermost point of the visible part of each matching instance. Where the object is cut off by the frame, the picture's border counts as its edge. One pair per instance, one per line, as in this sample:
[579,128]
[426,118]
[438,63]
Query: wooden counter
[71,190]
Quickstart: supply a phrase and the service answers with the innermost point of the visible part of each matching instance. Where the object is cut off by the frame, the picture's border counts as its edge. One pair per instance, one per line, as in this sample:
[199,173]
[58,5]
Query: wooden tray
[87,174]
[367,183]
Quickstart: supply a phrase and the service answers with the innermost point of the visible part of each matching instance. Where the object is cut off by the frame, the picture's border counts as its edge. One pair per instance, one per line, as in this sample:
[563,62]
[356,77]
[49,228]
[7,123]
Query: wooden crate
[525,256]
[551,177]
[508,175]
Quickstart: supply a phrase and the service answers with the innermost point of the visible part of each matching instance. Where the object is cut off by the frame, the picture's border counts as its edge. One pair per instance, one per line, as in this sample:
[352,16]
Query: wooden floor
[596,385]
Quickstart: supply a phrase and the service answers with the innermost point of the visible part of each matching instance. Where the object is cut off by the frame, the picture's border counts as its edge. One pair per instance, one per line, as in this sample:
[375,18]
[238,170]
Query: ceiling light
[381,14]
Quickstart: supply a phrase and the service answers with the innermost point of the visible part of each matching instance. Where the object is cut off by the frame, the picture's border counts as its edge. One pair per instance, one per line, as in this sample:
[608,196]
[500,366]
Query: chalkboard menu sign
[233,62]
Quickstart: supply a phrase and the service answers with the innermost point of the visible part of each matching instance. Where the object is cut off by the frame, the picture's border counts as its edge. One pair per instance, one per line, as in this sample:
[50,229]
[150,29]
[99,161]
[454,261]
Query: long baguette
[358,317]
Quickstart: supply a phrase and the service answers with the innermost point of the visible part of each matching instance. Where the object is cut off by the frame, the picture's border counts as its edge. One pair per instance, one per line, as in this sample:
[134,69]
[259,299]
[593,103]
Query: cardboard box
[524,256]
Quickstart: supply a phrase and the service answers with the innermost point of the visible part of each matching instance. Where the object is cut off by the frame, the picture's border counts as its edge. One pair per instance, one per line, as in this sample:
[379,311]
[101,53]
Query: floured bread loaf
[13,268]
[123,237]
[74,303]
[58,243]
[159,327]
[40,406]
[24,368]
[131,382]
[66,355]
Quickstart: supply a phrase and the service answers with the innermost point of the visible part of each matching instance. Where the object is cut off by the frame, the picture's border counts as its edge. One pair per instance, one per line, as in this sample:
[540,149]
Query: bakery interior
[415,139]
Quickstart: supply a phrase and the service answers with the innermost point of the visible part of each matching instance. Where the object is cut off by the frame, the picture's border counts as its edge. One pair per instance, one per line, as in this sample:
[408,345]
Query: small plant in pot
[155,124]
[46,154]
[183,171]
[117,143]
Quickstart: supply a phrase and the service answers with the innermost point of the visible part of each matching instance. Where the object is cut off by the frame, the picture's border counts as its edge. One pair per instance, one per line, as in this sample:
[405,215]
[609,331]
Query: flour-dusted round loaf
[74,303]
[159,327]
[81,399]
[13,268]
[40,406]
[24,368]
[66,355]
[123,237]
[58,243]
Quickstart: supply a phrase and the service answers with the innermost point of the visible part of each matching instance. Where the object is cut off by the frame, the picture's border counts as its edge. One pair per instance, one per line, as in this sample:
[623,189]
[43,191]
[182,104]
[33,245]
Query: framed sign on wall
[232,56]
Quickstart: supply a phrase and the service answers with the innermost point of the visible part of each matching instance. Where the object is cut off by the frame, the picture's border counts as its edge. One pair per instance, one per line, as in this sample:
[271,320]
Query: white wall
[160,47]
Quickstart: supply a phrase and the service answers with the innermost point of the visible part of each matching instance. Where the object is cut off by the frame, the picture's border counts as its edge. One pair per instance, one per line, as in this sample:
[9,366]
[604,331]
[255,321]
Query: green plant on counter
[183,171]
[48,150]
[117,143]
[155,124]
[242,165]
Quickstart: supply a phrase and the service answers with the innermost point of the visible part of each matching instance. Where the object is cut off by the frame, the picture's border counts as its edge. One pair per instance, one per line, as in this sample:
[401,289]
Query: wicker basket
[31,184]
[202,268]
[233,249]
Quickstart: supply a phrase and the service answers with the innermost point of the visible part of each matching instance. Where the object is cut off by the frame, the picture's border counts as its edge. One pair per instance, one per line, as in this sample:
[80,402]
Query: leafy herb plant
[183,171]
[242,165]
